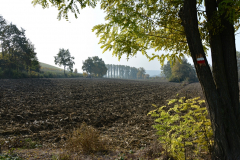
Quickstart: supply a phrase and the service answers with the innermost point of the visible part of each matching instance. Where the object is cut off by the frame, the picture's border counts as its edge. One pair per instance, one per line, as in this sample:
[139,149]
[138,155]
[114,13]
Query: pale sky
[48,34]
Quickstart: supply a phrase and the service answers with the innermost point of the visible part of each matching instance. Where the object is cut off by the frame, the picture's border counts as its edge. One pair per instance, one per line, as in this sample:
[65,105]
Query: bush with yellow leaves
[184,129]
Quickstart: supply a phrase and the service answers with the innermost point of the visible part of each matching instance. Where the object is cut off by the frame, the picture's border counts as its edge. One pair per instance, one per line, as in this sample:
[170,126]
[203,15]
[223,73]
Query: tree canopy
[166,69]
[95,65]
[180,71]
[141,72]
[134,26]
[17,51]
[64,58]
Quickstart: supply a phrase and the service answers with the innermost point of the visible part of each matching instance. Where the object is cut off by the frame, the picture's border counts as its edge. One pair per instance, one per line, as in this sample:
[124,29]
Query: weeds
[30,144]
[9,157]
[86,139]
[18,142]
[61,156]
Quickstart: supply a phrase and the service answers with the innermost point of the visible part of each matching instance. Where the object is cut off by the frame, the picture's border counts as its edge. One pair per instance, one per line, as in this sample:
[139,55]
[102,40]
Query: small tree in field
[166,70]
[95,65]
[85,74]
[64,58]
[146,76]
[141,72]
[75,71]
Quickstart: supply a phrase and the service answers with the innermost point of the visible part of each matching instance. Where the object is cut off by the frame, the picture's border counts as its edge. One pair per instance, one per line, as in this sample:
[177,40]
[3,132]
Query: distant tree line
[96,67]
[17,51]
[125,72]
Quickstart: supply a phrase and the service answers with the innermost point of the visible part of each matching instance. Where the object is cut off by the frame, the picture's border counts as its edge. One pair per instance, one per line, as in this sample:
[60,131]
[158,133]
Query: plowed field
[47,109]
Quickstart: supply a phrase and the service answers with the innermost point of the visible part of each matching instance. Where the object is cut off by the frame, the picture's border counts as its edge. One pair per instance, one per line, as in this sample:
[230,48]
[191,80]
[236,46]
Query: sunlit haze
[48,34]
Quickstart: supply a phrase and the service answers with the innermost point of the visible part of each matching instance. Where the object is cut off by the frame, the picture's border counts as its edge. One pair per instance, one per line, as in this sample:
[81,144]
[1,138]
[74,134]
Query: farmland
[47,109]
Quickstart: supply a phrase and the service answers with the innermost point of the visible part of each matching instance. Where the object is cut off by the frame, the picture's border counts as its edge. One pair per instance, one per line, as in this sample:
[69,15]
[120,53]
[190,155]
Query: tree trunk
[2,51]
[64,71]
[220,88]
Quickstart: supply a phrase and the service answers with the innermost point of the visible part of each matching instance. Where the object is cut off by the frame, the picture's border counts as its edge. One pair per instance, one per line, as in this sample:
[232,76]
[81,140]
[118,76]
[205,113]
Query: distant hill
[49,68]
[153,73]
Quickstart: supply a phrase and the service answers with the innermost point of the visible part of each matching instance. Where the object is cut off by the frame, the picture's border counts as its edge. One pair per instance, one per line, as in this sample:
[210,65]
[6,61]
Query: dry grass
[85,139]
[64,156]
[154,150]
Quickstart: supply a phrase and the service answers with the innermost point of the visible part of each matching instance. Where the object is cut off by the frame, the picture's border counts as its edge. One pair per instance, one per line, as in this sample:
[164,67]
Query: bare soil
[46,110]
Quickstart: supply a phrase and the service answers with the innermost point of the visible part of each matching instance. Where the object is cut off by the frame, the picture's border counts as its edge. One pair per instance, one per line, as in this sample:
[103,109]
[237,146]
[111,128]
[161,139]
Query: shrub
[25,74]
[85,74]
[34,74]
[174,79]
[12,73]
[184,128]
[70,75]
[85,139]
[48,75]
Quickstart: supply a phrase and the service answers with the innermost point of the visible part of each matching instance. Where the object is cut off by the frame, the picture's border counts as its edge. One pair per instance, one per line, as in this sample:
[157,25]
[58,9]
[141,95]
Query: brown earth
[47,109]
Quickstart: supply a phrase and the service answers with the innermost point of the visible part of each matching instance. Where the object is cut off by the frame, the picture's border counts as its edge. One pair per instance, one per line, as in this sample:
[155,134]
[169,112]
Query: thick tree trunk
[221,87]
[230,62]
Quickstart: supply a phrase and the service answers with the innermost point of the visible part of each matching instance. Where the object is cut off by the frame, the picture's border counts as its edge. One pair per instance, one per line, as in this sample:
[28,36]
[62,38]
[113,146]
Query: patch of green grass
[9,157]
[30,144]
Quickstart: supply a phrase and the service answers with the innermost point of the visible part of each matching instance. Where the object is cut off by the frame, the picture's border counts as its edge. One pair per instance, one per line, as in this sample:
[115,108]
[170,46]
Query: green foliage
[183,127]
[88,65]
[17,51]
[64,8]
[133,73]
[75,71]
[64,58]
[180,71]
[140,73]
[95,65]
[136,26]
[30,144]
[146,76]
[9,157]
[166,69]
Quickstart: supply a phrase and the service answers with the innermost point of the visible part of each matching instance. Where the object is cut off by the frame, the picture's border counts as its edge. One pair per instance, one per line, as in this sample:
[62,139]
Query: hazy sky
[48,34]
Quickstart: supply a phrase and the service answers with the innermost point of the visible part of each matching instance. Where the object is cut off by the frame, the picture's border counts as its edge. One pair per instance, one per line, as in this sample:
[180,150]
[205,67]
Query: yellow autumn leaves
[183,127]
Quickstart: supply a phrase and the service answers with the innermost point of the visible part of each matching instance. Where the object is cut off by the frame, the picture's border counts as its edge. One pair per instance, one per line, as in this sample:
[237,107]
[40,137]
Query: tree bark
[222,98]
[230,60]
[64,71]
